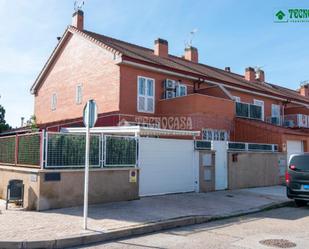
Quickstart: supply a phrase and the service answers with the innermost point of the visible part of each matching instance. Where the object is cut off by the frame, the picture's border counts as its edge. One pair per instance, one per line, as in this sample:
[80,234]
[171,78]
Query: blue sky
[235,33]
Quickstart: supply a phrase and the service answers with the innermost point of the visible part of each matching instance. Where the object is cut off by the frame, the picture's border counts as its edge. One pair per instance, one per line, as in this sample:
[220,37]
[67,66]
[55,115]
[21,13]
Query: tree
[3,125]
[32,123]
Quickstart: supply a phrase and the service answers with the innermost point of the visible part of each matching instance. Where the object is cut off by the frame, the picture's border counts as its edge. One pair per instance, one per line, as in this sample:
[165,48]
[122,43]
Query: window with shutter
[145,98]
[79,94]
[54,101]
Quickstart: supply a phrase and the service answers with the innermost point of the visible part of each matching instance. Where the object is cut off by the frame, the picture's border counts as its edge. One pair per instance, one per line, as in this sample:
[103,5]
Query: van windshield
[301,162]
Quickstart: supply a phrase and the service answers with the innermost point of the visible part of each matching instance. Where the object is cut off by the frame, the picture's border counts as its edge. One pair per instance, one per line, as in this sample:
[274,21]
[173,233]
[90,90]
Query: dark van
[297,178]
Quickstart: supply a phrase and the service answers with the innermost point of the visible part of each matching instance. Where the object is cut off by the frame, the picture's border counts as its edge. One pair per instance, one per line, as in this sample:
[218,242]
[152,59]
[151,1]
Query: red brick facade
[99,69]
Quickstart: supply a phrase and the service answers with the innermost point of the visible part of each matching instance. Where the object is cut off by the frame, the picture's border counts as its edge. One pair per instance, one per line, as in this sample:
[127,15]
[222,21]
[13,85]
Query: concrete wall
[207,171]
[31,189]
[255,169]
[105,185]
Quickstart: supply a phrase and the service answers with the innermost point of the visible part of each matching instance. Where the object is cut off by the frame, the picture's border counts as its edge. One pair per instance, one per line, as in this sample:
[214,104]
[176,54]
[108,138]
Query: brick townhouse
[137,85]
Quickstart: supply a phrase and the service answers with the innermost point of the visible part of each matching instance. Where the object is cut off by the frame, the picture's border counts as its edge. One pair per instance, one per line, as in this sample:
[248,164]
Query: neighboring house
[136,85]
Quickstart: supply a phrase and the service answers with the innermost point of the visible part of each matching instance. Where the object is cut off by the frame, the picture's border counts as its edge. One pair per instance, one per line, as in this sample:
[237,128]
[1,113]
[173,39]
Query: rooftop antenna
[188,43]
[305,82]
[78,5]
[258,68]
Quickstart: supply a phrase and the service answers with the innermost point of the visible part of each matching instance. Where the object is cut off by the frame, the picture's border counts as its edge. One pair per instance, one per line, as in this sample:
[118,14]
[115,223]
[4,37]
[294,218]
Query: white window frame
[178,90]
[272,110]
[54,101]
[145,96]
[260,103]
[79,95]
[237,98]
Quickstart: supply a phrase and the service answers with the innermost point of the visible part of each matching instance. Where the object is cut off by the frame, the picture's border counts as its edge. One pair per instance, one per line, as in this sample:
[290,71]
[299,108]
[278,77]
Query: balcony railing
[244,110]
[290,120]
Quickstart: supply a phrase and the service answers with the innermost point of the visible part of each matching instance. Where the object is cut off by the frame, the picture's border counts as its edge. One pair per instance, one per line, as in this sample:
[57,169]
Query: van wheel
[300,203]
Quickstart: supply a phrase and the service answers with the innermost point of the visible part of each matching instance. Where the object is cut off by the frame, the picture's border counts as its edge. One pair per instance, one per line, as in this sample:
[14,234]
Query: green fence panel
[120,151]
[7,150]
[29,150]
[68,150]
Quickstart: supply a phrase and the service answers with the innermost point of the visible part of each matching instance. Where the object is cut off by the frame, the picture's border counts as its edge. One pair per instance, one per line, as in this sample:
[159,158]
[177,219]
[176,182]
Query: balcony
[290,121]
[251,111]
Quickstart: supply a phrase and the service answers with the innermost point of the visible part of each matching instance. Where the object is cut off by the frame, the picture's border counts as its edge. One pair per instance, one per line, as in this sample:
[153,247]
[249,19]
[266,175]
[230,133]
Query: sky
[234,33]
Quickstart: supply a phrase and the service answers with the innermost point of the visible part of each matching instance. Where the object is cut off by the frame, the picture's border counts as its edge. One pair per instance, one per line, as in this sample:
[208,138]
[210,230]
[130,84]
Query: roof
[133,130]
[145,55]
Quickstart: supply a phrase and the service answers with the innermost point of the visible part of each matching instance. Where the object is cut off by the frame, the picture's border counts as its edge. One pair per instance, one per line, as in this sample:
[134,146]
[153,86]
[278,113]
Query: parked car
[297,178]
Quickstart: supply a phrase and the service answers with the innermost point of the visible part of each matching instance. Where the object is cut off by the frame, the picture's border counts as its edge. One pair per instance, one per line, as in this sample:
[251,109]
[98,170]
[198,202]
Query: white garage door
[166,166]
[294,147]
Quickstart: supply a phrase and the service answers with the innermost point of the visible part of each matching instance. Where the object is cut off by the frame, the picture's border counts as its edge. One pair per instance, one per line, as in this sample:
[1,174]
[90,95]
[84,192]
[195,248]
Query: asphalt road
[291,224]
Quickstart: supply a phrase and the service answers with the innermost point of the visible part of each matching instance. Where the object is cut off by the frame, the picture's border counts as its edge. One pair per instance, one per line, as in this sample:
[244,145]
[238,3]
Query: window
[145,98]
[181,90]
[213,134]
[54,101]
[79,94]
[261,104]
[275,110]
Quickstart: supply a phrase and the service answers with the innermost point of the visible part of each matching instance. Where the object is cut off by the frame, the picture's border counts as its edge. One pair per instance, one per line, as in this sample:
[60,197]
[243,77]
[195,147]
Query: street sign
[90,115]
[91,108]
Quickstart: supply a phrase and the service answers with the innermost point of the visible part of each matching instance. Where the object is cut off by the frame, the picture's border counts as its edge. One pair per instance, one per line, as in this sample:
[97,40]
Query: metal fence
[21,150]
[67,150]
[120,151]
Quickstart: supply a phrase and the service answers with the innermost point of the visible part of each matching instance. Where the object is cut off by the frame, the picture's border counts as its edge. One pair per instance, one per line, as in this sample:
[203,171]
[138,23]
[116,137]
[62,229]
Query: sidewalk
[63,227]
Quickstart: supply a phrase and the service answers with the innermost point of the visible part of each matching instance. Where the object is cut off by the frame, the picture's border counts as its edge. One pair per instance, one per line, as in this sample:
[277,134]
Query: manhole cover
[279,243]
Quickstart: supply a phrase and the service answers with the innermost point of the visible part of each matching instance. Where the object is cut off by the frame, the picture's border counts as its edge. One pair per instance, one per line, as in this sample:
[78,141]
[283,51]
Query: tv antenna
[188,43]
[78,5]
[305,82]
[257,68]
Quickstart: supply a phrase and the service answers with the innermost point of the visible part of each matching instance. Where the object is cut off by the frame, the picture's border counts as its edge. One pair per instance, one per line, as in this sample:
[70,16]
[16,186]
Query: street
[281,228]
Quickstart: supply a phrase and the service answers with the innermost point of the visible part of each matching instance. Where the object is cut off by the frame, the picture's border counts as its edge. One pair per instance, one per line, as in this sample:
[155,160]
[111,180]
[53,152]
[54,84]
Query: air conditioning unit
[169,84]
[169,94]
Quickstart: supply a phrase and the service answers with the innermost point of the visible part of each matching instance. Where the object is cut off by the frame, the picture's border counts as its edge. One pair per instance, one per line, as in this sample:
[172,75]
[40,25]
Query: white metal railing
[290,120]
[241,146]
[67,150]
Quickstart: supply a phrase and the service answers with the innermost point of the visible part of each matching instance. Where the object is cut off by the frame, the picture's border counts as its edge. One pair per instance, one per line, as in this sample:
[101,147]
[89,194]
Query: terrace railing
[290,121]
[251,111]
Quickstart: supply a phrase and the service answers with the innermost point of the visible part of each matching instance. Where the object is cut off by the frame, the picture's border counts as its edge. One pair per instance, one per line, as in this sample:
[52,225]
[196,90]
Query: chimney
[78,20]
[304,90]
[227,69]
[260,75]
[161,47]
[250,74]
[191,54]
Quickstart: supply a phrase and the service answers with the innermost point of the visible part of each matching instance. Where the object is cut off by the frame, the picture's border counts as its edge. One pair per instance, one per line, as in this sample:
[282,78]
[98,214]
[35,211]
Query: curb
[136,230]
